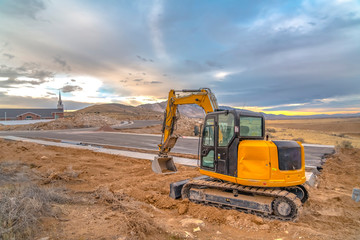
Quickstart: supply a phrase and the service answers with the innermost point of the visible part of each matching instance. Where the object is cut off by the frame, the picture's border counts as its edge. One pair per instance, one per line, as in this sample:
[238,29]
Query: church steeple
[60,104]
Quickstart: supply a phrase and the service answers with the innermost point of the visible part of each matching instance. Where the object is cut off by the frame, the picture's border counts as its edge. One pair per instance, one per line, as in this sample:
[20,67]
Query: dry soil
[123,199]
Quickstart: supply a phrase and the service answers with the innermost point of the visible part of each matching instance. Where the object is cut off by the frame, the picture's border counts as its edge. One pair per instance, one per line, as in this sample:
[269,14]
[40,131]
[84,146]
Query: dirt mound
[120,111]
[106,128]
[184,127]
[330,206]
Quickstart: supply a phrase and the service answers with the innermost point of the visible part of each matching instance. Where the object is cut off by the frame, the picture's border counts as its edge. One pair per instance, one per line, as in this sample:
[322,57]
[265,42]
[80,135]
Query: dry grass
[317,131]
[345,144]
[138,222]
[299,140]
[22,203]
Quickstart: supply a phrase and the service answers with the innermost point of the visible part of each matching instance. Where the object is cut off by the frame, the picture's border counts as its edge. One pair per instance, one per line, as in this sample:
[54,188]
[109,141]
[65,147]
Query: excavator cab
[233,149]
[223,131]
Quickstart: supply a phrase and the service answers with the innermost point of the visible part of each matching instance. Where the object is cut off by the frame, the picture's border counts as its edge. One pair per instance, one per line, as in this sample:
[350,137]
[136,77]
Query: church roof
[14,112]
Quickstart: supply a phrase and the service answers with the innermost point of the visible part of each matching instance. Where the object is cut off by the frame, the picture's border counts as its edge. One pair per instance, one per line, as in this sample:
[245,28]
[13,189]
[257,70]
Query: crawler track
[279,195]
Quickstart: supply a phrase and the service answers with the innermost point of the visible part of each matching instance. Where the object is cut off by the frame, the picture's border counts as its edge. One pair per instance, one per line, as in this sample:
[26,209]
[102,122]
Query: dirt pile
[330,206]
[184,127]
[106,128]
[121,112]
[126,200]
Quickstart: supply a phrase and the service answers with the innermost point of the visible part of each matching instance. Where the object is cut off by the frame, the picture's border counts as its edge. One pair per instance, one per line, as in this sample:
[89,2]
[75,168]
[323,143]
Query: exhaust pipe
[163,165]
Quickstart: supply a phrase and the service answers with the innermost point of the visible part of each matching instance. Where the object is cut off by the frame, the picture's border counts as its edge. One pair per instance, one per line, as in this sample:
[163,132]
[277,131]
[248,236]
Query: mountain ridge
[193,111]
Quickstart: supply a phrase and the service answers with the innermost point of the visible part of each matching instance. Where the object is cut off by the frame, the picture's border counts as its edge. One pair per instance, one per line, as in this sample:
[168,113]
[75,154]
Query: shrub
[23,203]
[22,206]
[345,144]
[271,130]
[298,140]
[342,135]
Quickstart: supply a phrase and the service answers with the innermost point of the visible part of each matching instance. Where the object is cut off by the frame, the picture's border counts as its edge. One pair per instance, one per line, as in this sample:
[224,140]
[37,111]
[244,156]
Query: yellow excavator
[241,170]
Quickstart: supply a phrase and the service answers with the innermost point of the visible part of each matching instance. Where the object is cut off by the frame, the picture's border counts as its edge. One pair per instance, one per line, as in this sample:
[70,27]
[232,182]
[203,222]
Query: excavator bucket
[163,165]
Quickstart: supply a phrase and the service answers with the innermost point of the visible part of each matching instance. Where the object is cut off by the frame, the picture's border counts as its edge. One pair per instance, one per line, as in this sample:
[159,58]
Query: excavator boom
[163,163]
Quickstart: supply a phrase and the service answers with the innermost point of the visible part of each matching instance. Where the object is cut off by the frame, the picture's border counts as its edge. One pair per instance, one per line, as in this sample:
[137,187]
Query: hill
[109,108]
[120,112]
[192,111]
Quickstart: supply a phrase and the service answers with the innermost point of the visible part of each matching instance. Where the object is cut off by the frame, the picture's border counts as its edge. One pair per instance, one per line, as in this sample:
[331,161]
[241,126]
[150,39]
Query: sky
[284,57]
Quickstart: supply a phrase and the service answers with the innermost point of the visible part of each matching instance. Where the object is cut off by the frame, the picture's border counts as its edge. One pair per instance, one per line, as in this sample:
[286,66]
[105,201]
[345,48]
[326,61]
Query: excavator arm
[202,97]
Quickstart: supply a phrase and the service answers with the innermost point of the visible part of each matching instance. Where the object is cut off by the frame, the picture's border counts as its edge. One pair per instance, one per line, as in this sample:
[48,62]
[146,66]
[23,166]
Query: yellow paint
[253,160]
[218,175]
[256,159]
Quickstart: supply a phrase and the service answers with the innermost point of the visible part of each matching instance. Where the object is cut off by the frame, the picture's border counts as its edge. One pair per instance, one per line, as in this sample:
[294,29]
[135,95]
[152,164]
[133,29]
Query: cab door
[208,150]
[225,139]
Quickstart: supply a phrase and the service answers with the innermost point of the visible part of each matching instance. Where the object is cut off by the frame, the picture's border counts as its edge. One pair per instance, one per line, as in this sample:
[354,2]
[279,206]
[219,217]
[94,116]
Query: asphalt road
[313,153]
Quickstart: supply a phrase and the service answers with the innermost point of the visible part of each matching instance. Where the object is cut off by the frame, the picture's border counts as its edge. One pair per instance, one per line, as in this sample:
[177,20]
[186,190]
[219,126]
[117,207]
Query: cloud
[156,33]
[293,52]
[8,55]
[23,75]
[25,8]
[51,94]
[221,75]
[141,58]
[71,88]
[213,64]
[29,102]
[59,60]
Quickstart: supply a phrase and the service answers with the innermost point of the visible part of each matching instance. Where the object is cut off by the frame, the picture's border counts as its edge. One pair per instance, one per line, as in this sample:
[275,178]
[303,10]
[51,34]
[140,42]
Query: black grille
[289,153]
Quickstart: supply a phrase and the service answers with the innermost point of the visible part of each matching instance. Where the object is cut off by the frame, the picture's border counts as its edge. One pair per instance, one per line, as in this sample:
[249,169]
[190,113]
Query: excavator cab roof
[241,112]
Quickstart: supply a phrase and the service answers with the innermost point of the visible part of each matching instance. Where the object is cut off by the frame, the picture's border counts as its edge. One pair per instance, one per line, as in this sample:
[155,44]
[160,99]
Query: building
[32,114]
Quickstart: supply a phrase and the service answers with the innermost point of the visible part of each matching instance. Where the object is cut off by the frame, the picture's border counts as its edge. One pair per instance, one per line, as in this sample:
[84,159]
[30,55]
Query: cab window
[208,160]
[251,126]
[226,129]
[208,133]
